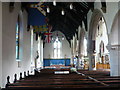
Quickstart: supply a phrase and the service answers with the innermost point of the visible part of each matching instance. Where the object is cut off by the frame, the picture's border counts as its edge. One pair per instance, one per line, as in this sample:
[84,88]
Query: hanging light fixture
[63,12]
[54,2]
[48,9]
[62,37]
[71,6]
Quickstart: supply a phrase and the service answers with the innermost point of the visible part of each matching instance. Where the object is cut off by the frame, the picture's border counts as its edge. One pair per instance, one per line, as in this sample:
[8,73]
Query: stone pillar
[73,50]
[114,59]
[38,60]
[80,54]
[78,61]
[90,55]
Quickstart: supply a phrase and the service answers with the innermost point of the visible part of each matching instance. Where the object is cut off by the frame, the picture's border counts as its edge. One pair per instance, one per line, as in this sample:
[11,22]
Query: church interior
[60,44]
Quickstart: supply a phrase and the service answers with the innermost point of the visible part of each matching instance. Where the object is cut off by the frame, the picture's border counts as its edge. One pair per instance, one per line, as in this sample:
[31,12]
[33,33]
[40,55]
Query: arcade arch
[97,42]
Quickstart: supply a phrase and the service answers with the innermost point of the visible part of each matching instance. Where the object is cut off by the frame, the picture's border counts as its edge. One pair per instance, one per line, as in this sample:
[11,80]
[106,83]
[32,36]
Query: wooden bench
[47,79]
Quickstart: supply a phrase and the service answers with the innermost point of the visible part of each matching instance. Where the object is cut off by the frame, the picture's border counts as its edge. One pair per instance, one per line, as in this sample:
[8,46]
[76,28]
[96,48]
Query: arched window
[57,48]
[18,38]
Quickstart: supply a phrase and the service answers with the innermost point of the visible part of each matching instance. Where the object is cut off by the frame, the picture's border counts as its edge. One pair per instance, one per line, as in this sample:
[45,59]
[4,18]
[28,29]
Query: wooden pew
[47,79]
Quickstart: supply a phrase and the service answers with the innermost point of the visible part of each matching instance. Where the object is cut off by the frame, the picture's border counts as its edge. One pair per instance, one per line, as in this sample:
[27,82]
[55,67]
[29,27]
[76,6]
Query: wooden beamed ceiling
[69,22]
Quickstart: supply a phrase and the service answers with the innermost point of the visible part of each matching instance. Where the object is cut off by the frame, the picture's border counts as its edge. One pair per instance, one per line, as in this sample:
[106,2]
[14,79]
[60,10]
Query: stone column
[90,52]
[78,61]
[71,52]
[114,59]
[90,62]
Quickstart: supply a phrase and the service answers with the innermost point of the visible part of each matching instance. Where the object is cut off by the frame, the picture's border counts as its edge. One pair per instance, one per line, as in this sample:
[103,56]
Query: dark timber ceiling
[69,22]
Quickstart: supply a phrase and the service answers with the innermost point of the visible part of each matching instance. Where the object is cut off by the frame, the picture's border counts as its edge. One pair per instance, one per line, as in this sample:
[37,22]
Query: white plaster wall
[66,49]
[35,47]
[48,50]
[26,44]
[0,44]
[9,63]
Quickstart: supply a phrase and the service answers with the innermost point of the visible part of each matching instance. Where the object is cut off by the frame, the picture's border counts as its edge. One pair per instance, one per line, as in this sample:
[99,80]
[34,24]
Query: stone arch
[114,35]
[96,16]
[114,46]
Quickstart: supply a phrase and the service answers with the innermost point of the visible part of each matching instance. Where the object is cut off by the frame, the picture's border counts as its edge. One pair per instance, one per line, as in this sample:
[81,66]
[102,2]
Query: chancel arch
[98,40]
[58,51]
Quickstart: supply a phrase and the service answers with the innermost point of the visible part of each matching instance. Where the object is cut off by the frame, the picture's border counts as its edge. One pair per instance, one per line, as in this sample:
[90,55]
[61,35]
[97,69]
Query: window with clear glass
[57,48]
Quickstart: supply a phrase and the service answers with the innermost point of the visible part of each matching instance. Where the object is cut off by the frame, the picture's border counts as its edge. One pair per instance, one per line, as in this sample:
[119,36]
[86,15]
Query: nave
[82,79]
[57,35]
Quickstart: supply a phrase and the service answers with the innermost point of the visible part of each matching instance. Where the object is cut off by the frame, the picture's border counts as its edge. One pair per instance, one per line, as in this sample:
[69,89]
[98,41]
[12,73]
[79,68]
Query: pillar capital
[113,47]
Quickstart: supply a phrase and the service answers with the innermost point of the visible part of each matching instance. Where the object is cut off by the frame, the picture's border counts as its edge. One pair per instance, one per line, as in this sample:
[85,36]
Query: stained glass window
[17,38]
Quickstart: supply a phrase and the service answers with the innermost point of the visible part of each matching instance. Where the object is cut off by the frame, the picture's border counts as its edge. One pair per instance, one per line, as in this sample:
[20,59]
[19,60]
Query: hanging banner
[37,14]
[42,28]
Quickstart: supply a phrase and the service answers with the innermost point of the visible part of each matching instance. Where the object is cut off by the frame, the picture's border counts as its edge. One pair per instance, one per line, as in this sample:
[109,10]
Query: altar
[56,63]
